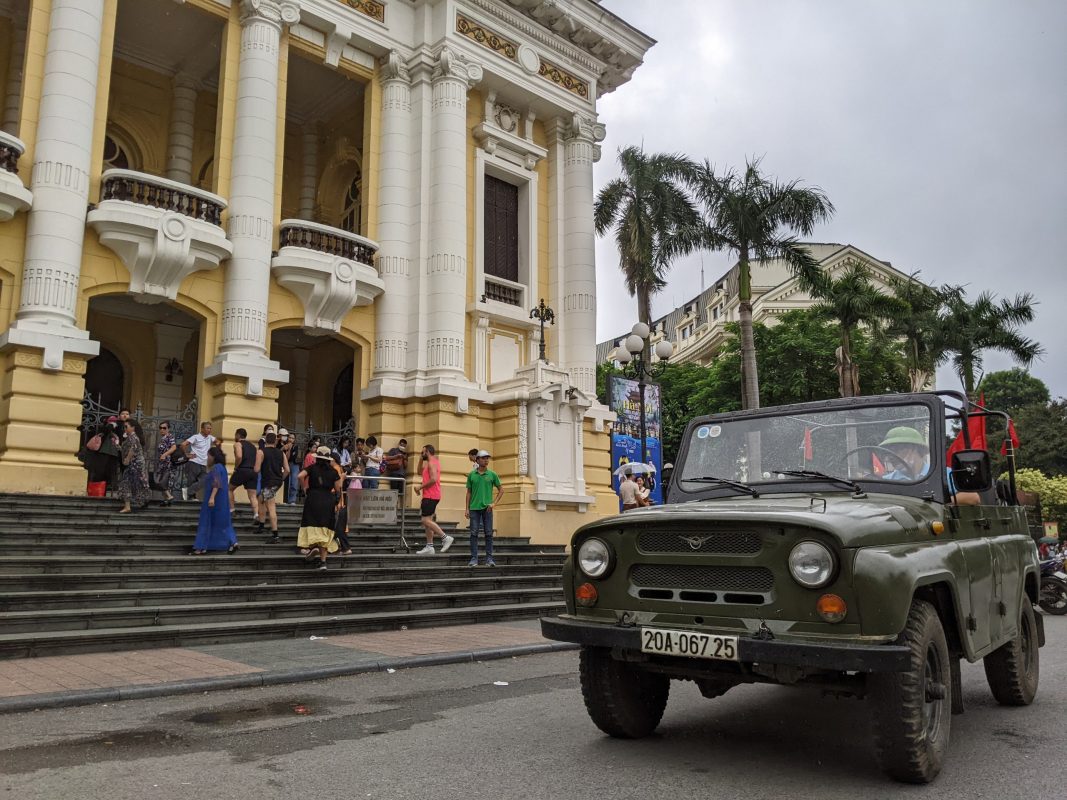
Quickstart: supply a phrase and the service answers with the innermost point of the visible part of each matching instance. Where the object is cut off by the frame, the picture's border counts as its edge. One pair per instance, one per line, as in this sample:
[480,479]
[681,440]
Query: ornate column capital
[584,129]
[393,68]
[279,13]
[450,65]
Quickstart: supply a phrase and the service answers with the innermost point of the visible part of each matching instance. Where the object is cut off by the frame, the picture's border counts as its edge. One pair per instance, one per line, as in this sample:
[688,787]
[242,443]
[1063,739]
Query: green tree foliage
[653,219]
[796,362]
[915,323]
[757,217]
[1042,430]
[1013,389]
[965,330]
[1052,490]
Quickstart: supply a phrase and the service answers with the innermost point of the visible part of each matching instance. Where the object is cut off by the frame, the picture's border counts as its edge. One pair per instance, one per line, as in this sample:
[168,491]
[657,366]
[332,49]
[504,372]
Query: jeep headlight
[594,558]
[811,564]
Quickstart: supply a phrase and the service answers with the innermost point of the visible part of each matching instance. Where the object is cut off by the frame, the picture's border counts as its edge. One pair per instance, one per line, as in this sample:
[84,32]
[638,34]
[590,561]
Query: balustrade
[331,241]
[148,190]
[504,291]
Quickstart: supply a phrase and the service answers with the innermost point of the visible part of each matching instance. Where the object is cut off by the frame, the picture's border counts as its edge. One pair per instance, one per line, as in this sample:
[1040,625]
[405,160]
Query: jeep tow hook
[763,632]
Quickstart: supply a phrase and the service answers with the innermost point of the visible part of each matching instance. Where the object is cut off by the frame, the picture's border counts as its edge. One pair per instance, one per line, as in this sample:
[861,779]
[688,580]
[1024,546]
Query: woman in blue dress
[215,531]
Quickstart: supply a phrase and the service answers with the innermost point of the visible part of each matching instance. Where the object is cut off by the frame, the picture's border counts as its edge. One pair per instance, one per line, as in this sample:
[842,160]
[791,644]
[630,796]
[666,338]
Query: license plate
[688,644]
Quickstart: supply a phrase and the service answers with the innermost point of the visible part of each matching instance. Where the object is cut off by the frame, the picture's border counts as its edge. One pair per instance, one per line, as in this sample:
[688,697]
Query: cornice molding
[537,32]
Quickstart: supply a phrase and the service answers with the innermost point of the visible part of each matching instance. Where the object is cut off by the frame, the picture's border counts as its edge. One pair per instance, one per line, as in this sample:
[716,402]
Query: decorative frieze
[371,8]
[444,353]
[487,38]
[563,79]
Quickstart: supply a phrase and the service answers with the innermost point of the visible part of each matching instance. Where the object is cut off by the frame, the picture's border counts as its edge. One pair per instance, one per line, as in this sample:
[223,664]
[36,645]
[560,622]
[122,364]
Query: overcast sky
[937,128]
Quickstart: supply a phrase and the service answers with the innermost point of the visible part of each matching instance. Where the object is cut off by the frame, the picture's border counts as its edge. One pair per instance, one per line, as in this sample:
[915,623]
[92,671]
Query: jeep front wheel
[1012,669]
[912,709]
[623,701]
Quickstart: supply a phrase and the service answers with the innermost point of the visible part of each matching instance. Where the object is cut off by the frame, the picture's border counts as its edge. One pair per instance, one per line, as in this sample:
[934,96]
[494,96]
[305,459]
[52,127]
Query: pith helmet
[905,435]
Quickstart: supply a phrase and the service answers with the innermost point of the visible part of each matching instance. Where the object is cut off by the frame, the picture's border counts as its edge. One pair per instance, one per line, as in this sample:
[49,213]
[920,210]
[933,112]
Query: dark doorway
[105,379]
[342,398]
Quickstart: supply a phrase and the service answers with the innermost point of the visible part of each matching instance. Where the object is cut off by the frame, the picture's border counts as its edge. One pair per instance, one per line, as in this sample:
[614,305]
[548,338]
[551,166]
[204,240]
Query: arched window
[115,157]
[206,177]
[350,219]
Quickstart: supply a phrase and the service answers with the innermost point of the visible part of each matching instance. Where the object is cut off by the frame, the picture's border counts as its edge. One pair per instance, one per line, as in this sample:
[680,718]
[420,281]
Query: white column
[13,99]
[446,266]
[309,175]
[394,306]
[182,130]
[243,349]
[60,184]
[578,306]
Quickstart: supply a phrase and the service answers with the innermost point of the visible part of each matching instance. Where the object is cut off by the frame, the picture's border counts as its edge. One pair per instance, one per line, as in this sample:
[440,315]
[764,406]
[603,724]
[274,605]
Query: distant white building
[697,328]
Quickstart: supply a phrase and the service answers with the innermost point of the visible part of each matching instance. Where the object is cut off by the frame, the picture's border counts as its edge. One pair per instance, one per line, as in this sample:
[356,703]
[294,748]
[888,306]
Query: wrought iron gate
[183,424]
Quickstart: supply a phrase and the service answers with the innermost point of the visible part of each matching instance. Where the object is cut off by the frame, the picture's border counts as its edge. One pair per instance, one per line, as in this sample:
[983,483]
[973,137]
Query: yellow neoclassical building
[306,212]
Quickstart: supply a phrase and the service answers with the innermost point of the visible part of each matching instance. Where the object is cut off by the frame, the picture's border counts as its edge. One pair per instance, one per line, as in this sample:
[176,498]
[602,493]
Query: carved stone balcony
[162,230]
[330,270]
[14,197]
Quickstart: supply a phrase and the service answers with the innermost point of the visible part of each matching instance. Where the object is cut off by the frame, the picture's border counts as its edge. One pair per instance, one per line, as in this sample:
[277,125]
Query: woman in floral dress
[163,472]
[133,485]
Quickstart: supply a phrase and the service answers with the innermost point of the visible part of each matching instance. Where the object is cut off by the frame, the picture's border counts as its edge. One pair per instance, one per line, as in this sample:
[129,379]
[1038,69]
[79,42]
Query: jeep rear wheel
[1012,669]
[912,709]
[623,701]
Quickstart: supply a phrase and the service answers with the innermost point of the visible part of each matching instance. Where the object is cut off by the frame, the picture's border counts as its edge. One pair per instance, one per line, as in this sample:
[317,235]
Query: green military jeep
[820,544]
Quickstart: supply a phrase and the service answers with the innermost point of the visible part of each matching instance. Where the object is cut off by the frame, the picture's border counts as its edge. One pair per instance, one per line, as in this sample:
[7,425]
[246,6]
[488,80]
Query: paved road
[448,732]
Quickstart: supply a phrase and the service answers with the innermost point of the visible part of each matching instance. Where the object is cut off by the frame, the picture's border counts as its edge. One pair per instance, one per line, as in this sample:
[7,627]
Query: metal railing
[11,149]
[504,291]
[148,190]
[324,239]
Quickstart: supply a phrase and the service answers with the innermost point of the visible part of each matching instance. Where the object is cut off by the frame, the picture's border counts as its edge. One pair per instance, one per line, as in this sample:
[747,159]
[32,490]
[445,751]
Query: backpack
[94,443]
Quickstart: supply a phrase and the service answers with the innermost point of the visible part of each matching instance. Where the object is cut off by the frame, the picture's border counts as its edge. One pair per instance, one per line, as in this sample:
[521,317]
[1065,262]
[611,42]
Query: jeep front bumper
[839,657]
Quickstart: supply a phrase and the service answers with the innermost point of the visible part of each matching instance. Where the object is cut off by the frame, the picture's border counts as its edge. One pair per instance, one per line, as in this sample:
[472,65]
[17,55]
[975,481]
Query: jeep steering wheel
[877,450]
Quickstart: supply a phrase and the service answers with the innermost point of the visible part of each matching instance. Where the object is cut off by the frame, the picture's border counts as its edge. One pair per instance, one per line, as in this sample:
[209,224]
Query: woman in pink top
[430,489]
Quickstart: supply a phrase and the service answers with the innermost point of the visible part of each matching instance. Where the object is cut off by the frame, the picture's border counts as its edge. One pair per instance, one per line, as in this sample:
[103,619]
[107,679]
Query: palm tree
[849,300]
[965,330]
[654,219]
[758,217]
[914,324]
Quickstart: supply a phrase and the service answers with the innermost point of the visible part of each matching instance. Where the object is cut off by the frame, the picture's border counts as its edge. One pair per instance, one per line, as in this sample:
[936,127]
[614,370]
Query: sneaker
[472,563]
[447,543]
[426,551]
[274,539]
[322,566]
[489,562]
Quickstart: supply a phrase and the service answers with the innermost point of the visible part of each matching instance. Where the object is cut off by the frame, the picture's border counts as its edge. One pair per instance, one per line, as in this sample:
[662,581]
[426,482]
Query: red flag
[976,429]
[876,465]
[1011,435]
[808,455]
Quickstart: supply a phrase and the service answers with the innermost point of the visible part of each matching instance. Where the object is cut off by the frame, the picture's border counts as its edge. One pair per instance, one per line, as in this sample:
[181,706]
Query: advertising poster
[624,400]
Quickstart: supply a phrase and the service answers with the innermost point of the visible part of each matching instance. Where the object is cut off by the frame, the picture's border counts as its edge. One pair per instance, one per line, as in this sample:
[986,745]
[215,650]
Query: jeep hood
[856,521]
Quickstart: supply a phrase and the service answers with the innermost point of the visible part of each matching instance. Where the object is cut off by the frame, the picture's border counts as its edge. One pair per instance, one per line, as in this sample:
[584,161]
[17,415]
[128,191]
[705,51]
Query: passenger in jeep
[912,451]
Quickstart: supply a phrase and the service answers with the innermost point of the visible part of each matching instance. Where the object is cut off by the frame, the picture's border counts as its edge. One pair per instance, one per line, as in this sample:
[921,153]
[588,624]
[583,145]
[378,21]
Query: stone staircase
[76,576]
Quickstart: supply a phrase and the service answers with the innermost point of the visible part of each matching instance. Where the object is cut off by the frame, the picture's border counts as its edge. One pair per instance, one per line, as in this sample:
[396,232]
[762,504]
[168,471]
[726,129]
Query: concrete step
[293,572]
[71,540]
[314,586]
[41,643]
[249,545]
[94,618]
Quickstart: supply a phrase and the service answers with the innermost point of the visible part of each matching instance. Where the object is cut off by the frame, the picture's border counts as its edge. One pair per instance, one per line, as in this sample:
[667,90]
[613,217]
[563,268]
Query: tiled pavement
[77,677]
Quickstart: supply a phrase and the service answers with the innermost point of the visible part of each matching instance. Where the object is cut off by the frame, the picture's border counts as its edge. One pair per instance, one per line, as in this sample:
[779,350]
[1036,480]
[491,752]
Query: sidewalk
[57,681]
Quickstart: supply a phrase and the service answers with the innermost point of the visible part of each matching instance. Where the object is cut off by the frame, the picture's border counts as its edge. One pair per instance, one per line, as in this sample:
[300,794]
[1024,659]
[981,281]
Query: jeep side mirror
[971,471]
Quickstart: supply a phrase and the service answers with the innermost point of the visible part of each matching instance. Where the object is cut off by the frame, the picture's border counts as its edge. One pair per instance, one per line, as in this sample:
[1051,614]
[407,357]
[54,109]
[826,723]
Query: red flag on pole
[1012,436]
[808,455]
[976,429]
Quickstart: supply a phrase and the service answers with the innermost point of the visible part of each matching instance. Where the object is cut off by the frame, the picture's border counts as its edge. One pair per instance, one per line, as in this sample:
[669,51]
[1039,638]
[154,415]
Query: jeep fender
[886,579]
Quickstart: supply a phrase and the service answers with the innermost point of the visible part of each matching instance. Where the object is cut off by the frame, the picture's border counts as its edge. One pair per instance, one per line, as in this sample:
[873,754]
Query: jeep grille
[756,580]
[700,542]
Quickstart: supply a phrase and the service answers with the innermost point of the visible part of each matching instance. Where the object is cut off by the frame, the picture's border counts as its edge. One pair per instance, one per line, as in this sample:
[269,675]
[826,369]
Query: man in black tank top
[244,471]
[272,467]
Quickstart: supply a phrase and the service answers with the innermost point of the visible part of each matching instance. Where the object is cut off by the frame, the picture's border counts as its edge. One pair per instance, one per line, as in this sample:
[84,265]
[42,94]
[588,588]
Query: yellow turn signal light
[937,527]
[585,595]
[831,608]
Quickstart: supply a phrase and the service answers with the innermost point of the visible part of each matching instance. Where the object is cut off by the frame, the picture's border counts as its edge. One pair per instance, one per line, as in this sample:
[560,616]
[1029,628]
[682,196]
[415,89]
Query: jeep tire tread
[622,700]
[912,713]
[1012,670]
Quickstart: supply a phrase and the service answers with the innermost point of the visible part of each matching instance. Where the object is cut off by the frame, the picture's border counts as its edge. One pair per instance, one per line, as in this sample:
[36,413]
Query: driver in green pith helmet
[912,451]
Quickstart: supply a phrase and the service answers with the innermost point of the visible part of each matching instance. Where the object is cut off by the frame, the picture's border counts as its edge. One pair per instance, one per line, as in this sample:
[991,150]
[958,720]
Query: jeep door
[972,536]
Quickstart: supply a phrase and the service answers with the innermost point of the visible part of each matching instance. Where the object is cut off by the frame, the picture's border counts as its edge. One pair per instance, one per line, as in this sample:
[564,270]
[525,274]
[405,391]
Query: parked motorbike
[1053,593]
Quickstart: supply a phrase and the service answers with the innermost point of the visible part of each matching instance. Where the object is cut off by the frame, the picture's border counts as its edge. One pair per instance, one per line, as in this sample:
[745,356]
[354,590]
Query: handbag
[178,457]
[94,443]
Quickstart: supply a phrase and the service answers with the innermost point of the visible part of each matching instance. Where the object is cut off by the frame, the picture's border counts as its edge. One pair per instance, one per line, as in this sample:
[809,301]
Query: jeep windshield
[836,447]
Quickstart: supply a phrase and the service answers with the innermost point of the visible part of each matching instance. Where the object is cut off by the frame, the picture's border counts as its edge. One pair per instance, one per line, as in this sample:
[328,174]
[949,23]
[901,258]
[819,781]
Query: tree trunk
[967,375]
[749,373]
[848,388]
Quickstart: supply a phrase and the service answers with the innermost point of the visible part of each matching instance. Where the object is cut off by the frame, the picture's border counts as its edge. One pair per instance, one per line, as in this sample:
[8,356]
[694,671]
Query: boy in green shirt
[480,502]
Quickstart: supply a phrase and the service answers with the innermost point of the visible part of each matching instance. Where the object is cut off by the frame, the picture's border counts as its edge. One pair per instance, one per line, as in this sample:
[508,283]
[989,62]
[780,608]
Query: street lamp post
[633,351]
[544,314]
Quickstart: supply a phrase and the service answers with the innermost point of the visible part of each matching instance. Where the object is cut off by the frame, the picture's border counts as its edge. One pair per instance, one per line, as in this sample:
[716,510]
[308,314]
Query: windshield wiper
[744,487]
[811,473]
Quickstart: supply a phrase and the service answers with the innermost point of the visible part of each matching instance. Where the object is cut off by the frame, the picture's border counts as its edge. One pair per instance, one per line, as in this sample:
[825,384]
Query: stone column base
[232,408]
[40,412]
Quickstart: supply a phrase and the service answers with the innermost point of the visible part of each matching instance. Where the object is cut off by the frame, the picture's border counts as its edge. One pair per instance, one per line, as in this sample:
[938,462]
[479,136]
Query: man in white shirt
[196,448]
[628,492]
